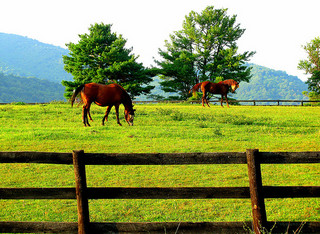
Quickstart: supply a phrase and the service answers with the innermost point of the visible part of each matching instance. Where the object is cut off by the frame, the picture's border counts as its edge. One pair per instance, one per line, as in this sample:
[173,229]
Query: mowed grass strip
[159,128]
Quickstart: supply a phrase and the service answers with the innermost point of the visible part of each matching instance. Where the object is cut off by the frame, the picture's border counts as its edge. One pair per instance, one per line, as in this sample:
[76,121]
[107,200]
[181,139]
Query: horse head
[129,115]
[234,85]
[231,83]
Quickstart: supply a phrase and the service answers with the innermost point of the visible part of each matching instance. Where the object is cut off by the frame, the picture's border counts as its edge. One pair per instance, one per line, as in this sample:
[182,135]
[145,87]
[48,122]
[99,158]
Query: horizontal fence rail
[82,193]
[159,158]
[155,227]
[159,193]
[242,102]
[277,102]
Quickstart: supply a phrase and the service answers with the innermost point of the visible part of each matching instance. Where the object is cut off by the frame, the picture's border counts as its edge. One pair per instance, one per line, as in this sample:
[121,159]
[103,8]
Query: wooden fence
[245,102]
[256,191]
[242,102]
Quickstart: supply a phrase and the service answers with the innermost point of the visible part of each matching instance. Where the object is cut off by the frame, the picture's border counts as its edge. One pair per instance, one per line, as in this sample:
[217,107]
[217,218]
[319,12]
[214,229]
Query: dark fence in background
[256,191]
[245,102]
[238,102]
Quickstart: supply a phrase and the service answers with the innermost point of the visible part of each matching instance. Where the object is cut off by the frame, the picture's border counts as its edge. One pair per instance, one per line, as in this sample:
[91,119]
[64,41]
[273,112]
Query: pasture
[159,128]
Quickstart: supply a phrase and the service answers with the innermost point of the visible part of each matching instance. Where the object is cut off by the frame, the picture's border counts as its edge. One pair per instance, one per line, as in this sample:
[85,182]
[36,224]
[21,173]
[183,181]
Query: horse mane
[228,82]
[75,93]
[127,99]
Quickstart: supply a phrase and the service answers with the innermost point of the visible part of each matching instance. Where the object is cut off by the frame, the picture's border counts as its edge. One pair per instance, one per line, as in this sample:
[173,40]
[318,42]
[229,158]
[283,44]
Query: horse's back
[89,92]
[114,91]
[205,85]
[217,88]
[104,95]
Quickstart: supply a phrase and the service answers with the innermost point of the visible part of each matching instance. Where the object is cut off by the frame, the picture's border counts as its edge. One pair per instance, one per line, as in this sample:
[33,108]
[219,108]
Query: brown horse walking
[215,88]
[104,95]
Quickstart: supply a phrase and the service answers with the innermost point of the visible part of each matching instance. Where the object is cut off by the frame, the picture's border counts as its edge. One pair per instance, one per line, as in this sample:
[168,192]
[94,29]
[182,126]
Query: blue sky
[275,29]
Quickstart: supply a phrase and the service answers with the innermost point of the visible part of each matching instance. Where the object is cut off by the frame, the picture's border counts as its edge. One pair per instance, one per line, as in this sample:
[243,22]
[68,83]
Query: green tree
[312,66]
[205,49]
[101,57]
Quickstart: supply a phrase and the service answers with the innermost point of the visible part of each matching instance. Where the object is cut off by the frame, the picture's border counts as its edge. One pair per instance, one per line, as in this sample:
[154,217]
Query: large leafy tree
[312,66]
[101,57]
[205,49]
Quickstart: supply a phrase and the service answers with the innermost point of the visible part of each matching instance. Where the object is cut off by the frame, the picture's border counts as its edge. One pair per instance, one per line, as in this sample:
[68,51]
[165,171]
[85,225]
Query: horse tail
[75,93]
[195,88]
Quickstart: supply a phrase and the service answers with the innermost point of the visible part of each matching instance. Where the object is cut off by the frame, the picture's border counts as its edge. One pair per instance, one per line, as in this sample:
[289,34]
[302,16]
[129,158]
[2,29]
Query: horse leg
[207,102]
[85,116]
[227,101]
[204,99]
[117,114]
[89,115]
[105,117]
[221,100]
[84,113]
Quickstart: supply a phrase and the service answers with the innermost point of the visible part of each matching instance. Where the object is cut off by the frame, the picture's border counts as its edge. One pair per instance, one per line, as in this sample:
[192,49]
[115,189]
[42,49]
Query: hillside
[267,84]
[18,89]
[26,57]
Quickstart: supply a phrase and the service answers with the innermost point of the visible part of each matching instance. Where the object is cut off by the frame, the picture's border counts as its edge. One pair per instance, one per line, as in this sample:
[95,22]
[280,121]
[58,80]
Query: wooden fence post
[81,191]
[255,182]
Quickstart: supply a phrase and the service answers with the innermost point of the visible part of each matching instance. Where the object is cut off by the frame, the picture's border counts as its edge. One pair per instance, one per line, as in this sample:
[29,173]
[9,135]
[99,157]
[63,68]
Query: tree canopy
[205,49]
[312,65]
[101,57]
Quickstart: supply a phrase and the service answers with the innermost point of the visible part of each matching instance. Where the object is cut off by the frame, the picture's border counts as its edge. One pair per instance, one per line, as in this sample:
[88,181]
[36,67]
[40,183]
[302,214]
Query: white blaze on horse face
[129,118]
[234,87]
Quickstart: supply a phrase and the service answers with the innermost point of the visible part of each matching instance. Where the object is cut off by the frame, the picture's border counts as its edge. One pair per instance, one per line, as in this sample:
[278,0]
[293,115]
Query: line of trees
[204,49]
[101,57]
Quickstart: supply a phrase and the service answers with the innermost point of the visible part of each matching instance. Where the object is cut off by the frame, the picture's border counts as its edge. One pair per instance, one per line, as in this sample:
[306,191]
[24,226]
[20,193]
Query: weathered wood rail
[277,102]
[256,191]
[246,102]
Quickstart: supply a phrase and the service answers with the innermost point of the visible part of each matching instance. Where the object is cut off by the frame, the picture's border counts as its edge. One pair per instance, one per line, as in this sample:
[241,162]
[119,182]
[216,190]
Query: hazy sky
[275,29]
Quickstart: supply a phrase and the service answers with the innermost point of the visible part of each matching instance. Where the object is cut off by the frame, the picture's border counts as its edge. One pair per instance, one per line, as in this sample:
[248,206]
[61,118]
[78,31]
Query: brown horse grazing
[215,88]
[104,95]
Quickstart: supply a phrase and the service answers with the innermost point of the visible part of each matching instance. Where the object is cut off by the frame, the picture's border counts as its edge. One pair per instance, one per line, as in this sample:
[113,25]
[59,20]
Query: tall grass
[159,128]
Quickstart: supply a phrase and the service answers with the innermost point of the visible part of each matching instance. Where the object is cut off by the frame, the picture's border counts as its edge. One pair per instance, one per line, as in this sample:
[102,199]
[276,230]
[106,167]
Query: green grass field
[159,128]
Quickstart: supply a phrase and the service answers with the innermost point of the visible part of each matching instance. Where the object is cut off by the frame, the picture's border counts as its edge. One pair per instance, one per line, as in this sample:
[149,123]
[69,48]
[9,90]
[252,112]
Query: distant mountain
[19,89]
[268,84]
[22,57]
[265,84]
[26,57]
[157,93]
